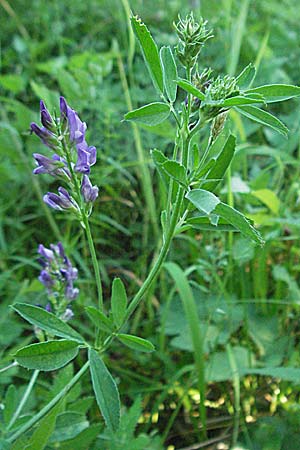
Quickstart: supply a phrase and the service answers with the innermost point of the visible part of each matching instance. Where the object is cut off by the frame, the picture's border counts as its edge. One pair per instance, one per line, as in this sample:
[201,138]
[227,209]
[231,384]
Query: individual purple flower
[88,192]
[46,279]
[46,253]
[46,118]
[86,157]
[61,201]
[76,127]
[48,138]
[56,166]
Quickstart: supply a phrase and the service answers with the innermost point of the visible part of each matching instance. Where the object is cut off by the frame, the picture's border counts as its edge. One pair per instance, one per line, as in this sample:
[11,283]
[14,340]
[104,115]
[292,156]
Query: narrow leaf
[222,162]
[246,77]
[239,221]
[176,171]
[150,52]
[188,87]
[50,355]
[10,403]
[99,319]
[151,114]
[118,302]
[159,159]
[203,200]
[106,391]
[169,72]
[241,100]
[136,343]
[276,92]
[47,321]
[263,117]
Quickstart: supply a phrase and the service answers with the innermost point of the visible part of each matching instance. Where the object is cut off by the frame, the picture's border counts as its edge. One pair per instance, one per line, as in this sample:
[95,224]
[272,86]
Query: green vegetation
[197,243]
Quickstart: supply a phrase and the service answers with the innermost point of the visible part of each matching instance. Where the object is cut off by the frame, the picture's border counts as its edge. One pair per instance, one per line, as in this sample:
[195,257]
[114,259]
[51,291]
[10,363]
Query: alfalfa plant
[197,100]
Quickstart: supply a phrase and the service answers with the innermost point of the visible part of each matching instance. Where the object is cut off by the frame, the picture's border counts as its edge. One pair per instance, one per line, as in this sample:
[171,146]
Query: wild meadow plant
[195,100]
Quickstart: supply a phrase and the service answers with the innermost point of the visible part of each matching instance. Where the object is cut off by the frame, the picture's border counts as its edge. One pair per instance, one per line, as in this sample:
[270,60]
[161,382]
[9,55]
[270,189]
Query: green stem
[49,405]
[163,252]
[86,225]
[94,261]
[23,399]
[237,395]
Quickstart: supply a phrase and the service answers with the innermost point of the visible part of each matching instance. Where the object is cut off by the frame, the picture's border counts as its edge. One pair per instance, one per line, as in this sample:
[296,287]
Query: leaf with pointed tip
[150,52]
[106,391]
[239,221]
[176,171]
[136,343]
[150,115]
[246,77]
[99,319]
[46,356]
[188,87]
[118,302]
[241,100]
[276,92]
[169,72]
[263,117]
[47,321]
[222,162]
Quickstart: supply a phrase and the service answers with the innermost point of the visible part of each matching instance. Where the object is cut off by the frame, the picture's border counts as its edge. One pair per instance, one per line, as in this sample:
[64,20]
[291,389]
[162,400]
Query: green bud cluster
[192,37]
[223,87]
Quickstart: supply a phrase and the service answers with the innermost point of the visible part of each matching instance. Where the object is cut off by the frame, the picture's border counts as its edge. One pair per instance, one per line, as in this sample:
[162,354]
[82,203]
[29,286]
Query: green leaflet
[222,163]
[169,168]
[47,321]
[106,391]
[99,319]
[150,52]
[150,115]
[118,302]
[276,92]
[46,356]
[239,221]
[188,87]
[263,117]
[246,77]
[169,72]
[204,200]
[136,343]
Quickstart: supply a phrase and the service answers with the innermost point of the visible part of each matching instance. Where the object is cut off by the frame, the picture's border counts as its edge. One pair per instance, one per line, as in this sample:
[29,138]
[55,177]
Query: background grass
[247,298]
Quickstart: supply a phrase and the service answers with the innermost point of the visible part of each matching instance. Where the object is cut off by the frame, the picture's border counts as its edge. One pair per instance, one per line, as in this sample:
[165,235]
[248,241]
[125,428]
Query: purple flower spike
[61,201]
[46,136]
[58,276]
[89,192]
[46,118]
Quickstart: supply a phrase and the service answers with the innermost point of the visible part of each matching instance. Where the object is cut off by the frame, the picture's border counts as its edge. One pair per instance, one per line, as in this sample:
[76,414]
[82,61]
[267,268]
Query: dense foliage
[229,285]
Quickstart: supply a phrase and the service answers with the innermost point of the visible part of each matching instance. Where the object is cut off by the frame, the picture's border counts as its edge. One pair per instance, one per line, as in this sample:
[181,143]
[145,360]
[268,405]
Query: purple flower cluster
[66,137]
[58,276]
